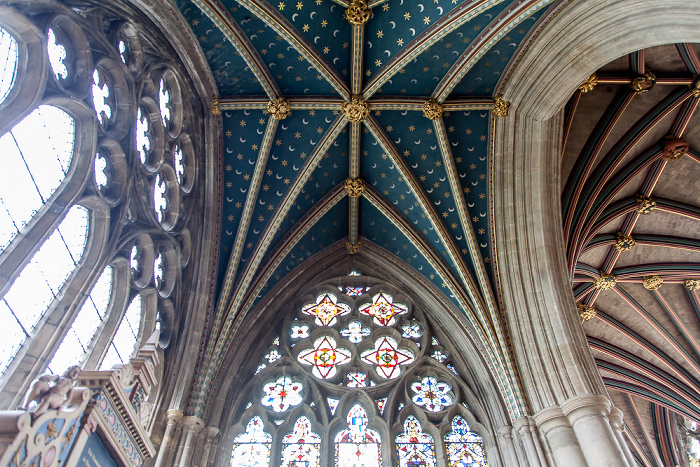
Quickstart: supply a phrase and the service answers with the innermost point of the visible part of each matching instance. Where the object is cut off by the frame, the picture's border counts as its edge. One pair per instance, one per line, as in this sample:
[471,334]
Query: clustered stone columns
[186,441]
[167,446]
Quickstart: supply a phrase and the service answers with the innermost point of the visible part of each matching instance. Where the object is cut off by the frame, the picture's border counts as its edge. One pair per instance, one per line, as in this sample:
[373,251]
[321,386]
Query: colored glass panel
[381,403]
[333,404]
[412,331]
[325,357]
[281,394]
[357,380]
[299,331]
[358,445]
[464,448]
[355,332]
[439,355]
[252,448]
[383,309]
[414,447]
[301,447]
[326,309]
[388,357]
[272,356]
[353,291]
[432,394]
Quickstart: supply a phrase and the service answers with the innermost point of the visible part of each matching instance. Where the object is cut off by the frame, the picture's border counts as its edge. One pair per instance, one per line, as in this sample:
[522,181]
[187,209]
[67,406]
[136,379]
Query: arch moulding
[569,401]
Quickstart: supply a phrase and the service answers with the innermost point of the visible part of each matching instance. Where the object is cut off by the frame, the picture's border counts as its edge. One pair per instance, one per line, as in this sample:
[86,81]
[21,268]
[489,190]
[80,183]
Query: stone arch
[558,372]
[258,328]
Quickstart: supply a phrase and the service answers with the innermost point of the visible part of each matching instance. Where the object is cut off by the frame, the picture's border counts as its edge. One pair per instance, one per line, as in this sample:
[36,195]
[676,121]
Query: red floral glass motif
[383,310]
[326,309]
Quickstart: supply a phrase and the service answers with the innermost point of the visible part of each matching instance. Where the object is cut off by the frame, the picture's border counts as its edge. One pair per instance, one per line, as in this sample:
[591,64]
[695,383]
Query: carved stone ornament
[643,83]
[695,87]
[692,284]
[39,439]
[645,204]
[432,109]
[624,242]
[353,247]
[652,282]
[354,187]
[500,107]
[279,109]
[586,312]
[358,12]
[356,110]
[589,83]
[605,281]
[51,392]
[215,106]
[673,148]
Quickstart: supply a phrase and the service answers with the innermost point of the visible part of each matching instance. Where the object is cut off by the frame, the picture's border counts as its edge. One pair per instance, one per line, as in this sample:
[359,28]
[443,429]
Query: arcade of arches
[339,233]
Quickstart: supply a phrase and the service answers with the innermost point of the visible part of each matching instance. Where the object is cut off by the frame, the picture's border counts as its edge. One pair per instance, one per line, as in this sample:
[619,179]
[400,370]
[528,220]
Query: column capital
[589,405]
[173,415]
[550,419]
[211,431]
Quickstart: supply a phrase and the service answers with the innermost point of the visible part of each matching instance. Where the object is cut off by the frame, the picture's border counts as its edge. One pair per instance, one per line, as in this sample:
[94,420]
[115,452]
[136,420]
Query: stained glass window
[272,356]
[300,331]
[124,341]
[464,448]
[381,403]
[432,394]
[439,355]
[333,404]
[326,309]
[412,331]
[358,445]
[252,448]
[301,447]
[355,332]
[353,291]
[388,357]
[325,357]
[356,380]
[415,448]
[282,394]
[383,310]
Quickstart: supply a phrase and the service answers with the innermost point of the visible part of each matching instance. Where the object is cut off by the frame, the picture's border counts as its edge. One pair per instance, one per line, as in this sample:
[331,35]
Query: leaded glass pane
[281,394]
[57,55]
[388,357]
[383,309]
[324,357]
[301,447]
[9,57]
[415,448]
[464,448]
[326,309]
[252,448]
[76,343]
[36,155]
[355,332]
[358,445]
[299,331]
[431,394]
[41,280]
[124,341]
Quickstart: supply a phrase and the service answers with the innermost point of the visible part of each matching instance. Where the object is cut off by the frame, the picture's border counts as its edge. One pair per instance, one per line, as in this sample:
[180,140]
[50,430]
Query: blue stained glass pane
[252,448]
[358,445]
[464,448]
[301,447]
[414,447]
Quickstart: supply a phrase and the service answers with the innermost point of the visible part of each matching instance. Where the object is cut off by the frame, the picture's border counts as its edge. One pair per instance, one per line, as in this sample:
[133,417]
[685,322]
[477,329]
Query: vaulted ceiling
[425,170]
[636,261]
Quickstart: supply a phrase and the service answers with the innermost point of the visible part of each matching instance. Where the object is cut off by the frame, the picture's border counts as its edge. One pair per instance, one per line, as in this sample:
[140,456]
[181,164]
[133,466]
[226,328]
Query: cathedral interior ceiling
[401,96]
[644,334]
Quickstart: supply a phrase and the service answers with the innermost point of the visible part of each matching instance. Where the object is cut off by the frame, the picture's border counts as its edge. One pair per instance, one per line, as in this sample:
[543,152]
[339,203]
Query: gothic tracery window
[90,194]
[357,379]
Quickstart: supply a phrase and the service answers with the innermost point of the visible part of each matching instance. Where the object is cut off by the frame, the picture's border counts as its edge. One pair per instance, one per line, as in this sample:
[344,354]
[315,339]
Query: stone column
[507,445]
[210,433]
[191,427]
[522,427]
[561,438]
[167,445]
[589,417]
[616,423]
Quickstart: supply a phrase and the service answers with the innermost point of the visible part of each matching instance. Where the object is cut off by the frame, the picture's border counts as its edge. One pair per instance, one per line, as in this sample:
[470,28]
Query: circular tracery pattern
[352,351]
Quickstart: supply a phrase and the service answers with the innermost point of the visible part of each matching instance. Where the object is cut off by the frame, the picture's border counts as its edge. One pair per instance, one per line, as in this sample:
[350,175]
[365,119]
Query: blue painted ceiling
[395,27]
